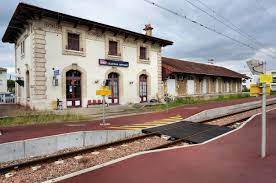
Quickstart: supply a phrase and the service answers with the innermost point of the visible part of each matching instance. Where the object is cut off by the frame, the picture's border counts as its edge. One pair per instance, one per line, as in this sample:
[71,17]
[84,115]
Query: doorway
[73,88]
[114,87]
[143,94]
[190,85]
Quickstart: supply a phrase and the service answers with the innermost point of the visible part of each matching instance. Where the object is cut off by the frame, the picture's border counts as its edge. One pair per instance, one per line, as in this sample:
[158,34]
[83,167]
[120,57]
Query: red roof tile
[181,66]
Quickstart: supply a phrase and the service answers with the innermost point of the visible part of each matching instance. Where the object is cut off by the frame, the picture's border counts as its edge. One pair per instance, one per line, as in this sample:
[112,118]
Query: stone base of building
[207,96]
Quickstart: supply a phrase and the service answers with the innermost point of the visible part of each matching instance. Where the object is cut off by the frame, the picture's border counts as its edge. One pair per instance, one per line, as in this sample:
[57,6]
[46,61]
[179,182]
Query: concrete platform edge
[21,149]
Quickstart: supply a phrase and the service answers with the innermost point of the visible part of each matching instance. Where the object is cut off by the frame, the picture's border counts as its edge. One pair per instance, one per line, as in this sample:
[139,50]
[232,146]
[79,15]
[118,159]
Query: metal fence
[7,99]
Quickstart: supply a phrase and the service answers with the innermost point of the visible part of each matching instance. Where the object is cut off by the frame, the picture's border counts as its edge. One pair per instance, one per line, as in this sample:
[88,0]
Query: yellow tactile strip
[151,124]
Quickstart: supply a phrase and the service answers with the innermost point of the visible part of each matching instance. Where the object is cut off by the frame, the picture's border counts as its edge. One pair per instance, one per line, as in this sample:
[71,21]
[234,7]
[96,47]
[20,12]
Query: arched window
[114,87]
[143,88]
[73,88]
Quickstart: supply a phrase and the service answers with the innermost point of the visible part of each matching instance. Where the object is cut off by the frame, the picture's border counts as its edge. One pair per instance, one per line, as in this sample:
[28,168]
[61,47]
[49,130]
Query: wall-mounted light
[18,71]
[96,81]
[131,82]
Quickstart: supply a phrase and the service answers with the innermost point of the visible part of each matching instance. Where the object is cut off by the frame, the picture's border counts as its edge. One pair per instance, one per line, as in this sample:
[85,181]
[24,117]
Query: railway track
[71,154]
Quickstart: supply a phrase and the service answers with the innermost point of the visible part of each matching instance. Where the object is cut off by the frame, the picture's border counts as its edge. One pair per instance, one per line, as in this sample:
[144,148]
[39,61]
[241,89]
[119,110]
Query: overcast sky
[256,18]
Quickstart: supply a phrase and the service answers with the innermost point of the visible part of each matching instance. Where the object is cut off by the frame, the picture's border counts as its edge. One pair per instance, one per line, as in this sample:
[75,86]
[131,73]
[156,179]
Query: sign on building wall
[113,63]
[56,72]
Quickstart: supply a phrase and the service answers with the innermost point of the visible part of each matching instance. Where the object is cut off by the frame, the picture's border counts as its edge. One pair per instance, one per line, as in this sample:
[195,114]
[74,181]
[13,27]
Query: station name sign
[113,63]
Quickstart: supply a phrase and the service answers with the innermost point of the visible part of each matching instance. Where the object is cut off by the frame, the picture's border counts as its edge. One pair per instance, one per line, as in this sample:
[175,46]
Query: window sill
[114,57]
[144,61]
[73,52]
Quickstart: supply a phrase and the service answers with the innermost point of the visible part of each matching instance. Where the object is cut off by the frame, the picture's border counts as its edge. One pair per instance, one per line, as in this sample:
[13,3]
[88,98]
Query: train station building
[59,56]
[66,58]
[185,79]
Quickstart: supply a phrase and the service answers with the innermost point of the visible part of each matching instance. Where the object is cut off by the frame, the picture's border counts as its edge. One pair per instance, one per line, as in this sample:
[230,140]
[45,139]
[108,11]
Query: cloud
[190,41]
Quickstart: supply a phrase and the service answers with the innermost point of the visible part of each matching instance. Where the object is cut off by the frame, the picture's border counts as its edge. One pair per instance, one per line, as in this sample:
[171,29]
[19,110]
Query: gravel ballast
[52,170]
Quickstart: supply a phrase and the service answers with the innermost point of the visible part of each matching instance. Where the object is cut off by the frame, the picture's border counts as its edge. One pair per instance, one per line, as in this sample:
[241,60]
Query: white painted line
[146,152]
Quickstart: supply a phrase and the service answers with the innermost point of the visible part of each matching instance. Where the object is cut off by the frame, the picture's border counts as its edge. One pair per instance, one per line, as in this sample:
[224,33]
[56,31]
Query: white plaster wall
[3,81]
[96,50]
[24,63]
[190,87]
[217,86]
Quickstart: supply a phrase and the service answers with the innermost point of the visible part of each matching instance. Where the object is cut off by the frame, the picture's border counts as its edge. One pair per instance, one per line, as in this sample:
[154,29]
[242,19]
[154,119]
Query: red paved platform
[233,158]
[33,131]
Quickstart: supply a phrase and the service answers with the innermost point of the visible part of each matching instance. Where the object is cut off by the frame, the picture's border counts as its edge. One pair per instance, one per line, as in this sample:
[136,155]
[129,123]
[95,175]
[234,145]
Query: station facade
[189,79]
[62,57]
[66,58]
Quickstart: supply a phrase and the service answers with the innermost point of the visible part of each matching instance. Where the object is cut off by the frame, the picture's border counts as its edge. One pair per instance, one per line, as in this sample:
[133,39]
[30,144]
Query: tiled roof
[25,12]
[181,66]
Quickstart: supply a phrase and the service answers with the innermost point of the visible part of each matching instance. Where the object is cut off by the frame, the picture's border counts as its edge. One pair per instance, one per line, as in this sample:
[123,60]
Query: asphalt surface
[40,130]
[234,158]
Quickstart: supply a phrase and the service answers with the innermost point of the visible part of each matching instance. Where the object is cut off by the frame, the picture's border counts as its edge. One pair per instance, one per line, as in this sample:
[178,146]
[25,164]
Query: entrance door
[190,85]
[171,87]
[204,86]
[73,88]
[143,88]
[114,87]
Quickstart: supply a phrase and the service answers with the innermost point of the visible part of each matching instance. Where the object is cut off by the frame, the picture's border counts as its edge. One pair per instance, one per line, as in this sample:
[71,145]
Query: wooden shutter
[143,53]
[73,41]
[113,48]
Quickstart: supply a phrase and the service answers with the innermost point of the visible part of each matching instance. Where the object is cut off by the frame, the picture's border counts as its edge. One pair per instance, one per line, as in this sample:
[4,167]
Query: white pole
[103,122]
[103,110]
[263,148]
[263,145]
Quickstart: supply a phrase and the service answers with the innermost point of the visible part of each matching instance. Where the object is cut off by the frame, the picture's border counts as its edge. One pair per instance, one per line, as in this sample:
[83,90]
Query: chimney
[148,29]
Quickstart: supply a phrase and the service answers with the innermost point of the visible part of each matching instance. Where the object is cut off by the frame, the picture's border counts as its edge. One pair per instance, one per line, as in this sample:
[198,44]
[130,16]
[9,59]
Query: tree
[11,85]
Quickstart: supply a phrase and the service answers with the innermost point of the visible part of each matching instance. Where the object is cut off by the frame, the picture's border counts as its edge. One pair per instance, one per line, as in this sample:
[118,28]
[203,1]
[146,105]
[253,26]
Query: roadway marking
[150,124]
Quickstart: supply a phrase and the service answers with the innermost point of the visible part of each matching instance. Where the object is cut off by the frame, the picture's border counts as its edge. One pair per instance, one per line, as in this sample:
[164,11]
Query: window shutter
[143,53]
[73,42]
[113,48]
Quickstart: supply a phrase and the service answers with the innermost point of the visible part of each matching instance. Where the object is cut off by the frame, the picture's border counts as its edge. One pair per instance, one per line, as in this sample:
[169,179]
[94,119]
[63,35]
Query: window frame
[82,41]
[79,42]
[22,48]
[110,53]
[145,53]
[147,47]
[108,38]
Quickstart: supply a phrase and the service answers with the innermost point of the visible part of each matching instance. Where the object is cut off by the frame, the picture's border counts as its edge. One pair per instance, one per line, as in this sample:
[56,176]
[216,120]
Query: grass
[35,117]
[39,118]
[190,100]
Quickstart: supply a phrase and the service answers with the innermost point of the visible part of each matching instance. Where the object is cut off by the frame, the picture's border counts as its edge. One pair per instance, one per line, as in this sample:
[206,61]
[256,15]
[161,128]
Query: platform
[41,130]
[231,158]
